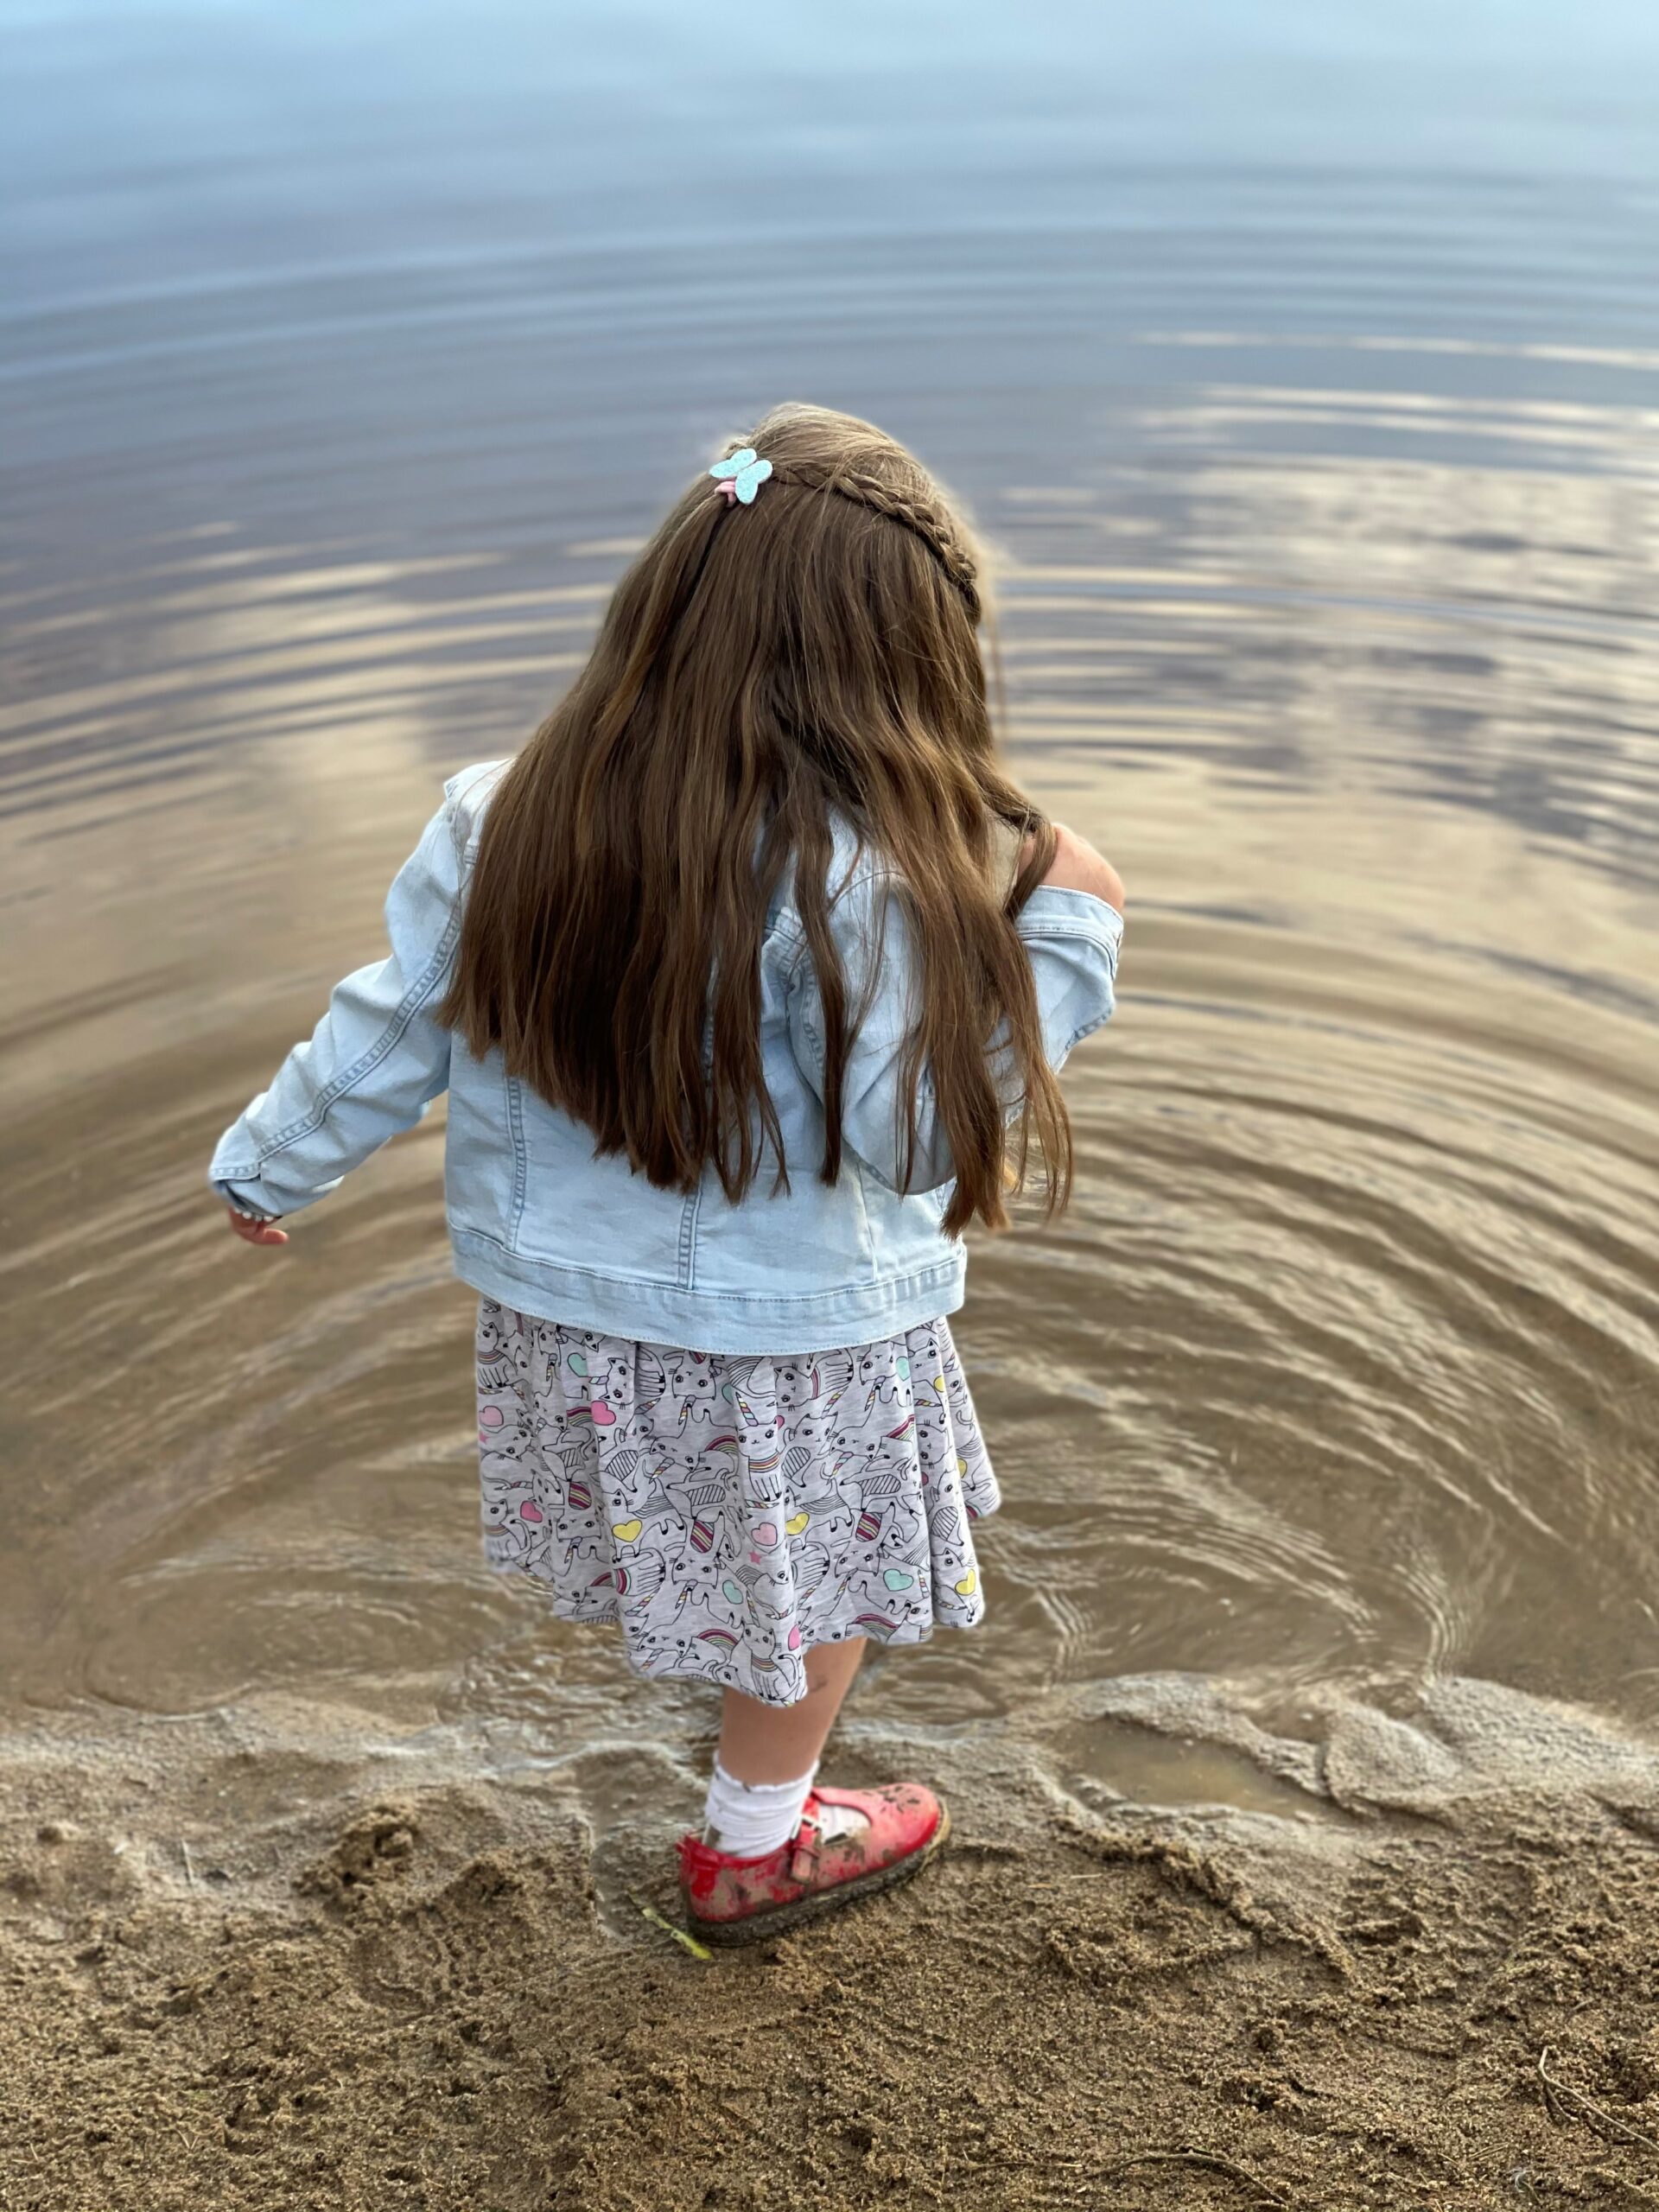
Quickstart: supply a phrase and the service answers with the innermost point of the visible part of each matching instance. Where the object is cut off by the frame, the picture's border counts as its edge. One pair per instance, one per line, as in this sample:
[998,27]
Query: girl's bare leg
[773,1744]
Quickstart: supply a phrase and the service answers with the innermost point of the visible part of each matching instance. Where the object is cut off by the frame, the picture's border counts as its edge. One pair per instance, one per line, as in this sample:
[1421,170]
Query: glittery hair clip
[740,476]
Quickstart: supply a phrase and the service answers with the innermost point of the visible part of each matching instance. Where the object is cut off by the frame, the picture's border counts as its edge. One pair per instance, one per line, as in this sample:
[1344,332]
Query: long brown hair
[760,669]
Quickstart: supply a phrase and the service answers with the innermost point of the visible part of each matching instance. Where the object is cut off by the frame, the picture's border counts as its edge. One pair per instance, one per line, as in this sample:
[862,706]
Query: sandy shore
[250,1963]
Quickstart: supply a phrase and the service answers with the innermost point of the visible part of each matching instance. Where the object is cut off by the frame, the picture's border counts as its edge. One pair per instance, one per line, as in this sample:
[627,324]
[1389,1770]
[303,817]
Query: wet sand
[425,1988]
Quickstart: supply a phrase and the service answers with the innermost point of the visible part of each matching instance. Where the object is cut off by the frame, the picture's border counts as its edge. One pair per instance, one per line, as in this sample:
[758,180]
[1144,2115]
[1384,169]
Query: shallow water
[1307,378]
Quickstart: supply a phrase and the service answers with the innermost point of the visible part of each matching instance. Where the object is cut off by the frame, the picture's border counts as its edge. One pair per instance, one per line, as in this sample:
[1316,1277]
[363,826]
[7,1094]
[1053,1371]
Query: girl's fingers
[255,1232]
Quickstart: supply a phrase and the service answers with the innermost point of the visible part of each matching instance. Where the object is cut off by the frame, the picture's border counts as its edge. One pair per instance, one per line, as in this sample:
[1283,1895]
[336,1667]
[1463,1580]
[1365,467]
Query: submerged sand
[255,1960]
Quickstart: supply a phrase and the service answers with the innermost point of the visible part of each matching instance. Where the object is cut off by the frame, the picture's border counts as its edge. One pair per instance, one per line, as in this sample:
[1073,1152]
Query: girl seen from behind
[748,979]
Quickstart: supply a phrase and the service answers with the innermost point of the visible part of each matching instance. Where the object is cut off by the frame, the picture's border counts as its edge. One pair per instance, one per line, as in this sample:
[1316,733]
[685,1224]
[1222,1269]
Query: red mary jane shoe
[729,1900]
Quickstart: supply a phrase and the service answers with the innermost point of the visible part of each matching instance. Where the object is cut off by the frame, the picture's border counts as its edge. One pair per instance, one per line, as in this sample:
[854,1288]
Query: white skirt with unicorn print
[729,1512]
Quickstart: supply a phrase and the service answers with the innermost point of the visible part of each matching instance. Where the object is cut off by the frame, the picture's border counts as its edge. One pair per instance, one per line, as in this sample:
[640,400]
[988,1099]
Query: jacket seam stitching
[520,1158]
[1088,1030]
[866,1236]
[686,1276]
[390,1037]
[1107,939]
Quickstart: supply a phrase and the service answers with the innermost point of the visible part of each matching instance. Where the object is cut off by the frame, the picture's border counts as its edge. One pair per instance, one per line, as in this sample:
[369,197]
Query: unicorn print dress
[727,1512]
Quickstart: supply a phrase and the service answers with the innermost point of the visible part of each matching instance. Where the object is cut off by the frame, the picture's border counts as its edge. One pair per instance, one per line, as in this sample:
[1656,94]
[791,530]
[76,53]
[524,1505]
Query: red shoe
[730,1900]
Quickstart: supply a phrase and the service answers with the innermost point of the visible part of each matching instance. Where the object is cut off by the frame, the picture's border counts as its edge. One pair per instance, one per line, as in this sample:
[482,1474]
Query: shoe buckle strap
[803,1860]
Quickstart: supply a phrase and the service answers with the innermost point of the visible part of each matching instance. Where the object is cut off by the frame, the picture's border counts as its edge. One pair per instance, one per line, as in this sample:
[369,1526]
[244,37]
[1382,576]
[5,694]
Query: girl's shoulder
[468,793]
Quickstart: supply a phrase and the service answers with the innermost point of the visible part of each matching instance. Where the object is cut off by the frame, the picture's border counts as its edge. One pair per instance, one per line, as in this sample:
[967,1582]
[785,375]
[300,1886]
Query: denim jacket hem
[709,1320]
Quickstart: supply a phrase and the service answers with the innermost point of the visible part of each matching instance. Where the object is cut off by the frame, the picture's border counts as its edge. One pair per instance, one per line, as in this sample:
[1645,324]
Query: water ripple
[1342,1368]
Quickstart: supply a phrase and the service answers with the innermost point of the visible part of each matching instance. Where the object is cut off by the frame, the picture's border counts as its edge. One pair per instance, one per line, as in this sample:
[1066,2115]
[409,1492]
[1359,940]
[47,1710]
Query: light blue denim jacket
[538,1222]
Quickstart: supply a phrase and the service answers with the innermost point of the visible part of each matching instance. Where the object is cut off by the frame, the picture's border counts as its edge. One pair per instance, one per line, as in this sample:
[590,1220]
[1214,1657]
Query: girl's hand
[255,1233]
[1077,867]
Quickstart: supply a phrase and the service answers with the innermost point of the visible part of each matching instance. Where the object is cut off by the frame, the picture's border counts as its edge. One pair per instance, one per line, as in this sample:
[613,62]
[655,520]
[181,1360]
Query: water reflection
[1327,591]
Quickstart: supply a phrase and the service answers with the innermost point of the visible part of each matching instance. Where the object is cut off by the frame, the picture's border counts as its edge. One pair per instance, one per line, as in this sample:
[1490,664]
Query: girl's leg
[755,1872]
[768,1757]
[772,1743]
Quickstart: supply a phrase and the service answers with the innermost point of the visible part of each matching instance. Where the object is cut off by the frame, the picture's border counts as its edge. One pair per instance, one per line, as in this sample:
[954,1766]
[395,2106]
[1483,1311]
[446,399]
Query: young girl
[747,979]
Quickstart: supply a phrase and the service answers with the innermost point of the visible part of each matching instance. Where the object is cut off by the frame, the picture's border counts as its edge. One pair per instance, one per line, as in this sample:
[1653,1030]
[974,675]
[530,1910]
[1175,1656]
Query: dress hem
[723,1675]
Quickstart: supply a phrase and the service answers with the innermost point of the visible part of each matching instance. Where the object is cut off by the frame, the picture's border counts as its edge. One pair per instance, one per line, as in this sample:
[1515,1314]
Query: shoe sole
[755,1928]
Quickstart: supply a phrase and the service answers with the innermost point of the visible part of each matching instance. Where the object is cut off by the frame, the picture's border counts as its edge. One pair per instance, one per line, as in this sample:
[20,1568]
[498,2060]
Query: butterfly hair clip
[740,476]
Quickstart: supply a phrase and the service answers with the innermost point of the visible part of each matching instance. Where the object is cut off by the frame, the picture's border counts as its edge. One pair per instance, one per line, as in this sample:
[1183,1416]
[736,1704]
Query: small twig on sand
[1210,2159]
[690,1944]
[1556,2091]
[189,1871]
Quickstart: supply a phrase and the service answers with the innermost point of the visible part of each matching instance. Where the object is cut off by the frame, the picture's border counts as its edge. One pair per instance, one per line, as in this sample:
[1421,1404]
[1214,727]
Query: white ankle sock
[749,1819]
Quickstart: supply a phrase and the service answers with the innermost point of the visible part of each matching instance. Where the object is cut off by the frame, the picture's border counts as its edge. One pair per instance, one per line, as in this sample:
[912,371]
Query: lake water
[1304,367]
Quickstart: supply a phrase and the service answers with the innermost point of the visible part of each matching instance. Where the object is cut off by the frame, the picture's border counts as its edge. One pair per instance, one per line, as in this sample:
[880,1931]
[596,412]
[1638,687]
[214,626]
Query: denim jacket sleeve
[377,1058]
[1072,939]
